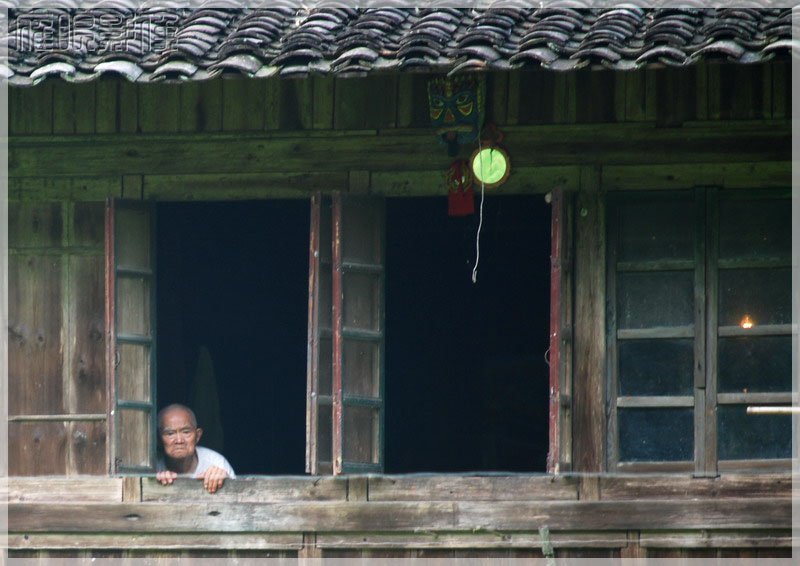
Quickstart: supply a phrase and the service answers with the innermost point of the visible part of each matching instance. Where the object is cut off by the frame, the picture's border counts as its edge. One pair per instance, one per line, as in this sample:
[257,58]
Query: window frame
[704,331]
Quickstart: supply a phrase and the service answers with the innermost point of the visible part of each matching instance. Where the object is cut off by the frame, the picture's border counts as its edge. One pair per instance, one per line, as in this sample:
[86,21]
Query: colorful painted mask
[457,108]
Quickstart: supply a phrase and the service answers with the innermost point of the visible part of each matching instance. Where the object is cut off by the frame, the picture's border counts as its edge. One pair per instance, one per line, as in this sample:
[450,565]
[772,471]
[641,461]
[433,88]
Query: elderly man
[179,433]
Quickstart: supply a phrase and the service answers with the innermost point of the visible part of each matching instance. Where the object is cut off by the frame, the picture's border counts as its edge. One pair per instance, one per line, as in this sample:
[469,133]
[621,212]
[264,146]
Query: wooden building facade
[696,158]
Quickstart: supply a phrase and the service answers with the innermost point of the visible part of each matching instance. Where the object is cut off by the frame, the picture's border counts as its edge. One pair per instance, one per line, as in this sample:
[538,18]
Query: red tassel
[460,196]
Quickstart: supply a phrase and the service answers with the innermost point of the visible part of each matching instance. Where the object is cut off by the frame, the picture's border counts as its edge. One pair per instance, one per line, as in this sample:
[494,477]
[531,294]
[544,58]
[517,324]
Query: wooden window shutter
[346,335]
[131,337]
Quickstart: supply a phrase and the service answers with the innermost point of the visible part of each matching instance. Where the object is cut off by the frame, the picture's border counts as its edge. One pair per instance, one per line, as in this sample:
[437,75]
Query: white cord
[480,218]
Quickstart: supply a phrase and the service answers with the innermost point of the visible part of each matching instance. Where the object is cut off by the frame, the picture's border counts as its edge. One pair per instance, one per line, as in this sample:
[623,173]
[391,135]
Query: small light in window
[747,322]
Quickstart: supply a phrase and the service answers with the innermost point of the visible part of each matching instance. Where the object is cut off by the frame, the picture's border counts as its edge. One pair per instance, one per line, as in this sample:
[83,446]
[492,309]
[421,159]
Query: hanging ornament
[460,196]
[457,110]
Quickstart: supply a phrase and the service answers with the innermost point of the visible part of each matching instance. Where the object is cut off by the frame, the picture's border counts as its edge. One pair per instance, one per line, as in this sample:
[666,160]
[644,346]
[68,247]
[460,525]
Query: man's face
[178,435]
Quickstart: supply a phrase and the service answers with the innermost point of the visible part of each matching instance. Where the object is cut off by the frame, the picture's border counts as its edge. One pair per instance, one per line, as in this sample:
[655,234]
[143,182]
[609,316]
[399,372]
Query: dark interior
[465,372]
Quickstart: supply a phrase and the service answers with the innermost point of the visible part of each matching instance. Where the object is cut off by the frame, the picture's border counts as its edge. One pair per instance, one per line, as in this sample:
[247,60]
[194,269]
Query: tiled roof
[149,44]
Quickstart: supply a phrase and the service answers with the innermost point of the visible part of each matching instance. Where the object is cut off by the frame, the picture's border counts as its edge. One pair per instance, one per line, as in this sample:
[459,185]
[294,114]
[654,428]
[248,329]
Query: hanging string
[480,218]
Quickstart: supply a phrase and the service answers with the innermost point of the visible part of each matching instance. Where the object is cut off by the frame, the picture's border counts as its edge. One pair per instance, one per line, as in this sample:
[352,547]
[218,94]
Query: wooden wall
[406,516]
[588,132]
[56,396]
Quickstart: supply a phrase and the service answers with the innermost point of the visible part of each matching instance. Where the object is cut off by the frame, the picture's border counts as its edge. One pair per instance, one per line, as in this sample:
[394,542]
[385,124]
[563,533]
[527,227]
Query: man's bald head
[176,407]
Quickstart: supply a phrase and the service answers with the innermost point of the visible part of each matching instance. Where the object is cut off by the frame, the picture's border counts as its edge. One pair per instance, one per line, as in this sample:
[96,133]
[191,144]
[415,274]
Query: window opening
[232,324]
[466,376]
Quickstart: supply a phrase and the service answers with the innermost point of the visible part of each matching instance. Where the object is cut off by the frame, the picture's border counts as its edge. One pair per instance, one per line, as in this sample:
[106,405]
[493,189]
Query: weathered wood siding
[407,516]
[588,132]
[56,396]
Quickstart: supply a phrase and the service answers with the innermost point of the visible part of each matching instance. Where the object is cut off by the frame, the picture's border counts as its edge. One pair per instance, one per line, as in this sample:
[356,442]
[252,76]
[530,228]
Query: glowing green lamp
[490,165]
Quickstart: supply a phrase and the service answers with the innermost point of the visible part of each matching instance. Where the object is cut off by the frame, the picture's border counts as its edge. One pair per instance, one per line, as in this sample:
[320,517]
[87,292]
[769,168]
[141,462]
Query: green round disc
[489,165]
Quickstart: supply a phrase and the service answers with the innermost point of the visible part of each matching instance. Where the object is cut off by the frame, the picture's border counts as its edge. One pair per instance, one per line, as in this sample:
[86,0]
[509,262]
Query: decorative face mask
[457,108]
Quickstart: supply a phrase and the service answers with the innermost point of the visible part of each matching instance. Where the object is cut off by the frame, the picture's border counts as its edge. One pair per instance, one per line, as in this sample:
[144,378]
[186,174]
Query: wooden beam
[564,539]
[750,513]
[607,144]
[687,487]
[523,180]
[165,541]
[62,489]
[63,188]
[742,175]
[234,186]
[450,488]
[255,490]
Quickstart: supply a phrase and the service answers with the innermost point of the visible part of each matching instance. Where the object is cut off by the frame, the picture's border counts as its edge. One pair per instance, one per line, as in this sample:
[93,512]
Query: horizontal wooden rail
[755,513]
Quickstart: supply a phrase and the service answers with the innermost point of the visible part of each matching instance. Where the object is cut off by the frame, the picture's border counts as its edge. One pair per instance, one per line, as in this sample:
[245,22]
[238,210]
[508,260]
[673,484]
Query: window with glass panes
[699,320]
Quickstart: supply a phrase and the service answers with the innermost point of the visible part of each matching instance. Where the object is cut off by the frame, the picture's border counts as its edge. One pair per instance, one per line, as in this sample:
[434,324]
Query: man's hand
[213,478]
[166,477]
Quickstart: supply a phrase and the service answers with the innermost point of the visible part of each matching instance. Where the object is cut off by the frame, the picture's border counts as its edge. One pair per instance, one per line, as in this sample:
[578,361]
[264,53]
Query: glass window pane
[362,295]
[325,366]
[324,433]
[750,229]
[656,231]
[658,298]
[360,434]
[133,372]
[133,428]
[755,364]
[133,306]
[746,437]
[656,367]
[133,238]
[764,295]
[361,368]
[656,435]
[362,231]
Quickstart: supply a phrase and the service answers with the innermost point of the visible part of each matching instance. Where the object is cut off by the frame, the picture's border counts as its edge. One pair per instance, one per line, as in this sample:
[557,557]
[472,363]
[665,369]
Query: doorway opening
[466,376]
[232,293]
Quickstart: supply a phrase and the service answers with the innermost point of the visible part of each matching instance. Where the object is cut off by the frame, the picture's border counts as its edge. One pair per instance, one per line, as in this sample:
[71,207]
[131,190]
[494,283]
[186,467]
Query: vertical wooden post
[313,336]
[337,332]
[556,240]
[589,419]
[110,335]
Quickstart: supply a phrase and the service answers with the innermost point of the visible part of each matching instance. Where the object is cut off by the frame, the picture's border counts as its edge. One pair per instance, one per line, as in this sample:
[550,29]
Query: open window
[131,344]
[699,287]
[466,386]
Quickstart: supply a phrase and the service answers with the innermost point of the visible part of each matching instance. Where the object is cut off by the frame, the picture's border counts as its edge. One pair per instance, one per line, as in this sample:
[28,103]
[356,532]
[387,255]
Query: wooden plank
[159,108]
[751,513]
[608,144]
[436,540]
[620,96]
[86,449]
[768,174]
[86,303]
[716,539]
[589,330]
[37,448]
[701,91]
[127,107]
[30,110]
[132,187]
[87,228]
[349,110]
[255,490]
[781,89]
[512,112]
[165,541]
[64,101]
[405,102]
[466,488]
[296,104]
[523,180]
[35,225]
[497,105]
[244,186]
[132,489]
[715,93]
[323,102]
[35,347]
[200,106]
[63,188]
[273,102]
[651,94]
[243,104]
[635,96]
[686,487]
[599,107]
[106,111]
